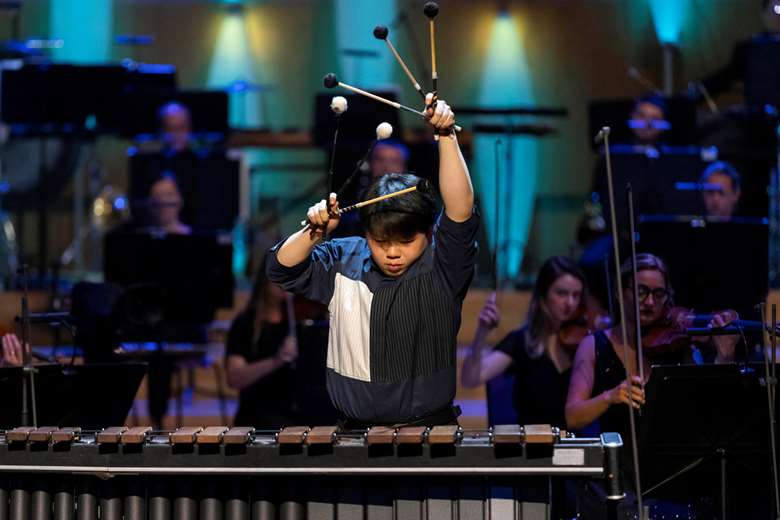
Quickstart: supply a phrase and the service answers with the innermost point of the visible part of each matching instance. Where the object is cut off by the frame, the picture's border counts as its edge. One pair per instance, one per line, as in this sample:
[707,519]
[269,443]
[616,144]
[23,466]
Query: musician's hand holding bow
[619,394]
[490,316]
[724,345]
[288,352]
[12,351]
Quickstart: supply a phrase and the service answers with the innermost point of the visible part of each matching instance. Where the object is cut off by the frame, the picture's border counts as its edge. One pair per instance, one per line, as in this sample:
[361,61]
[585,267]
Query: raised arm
[299,245]
[478,367]
[454,180]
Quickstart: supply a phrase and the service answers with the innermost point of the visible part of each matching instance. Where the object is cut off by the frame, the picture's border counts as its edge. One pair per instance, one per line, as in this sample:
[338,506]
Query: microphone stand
[603,135]
[28,383]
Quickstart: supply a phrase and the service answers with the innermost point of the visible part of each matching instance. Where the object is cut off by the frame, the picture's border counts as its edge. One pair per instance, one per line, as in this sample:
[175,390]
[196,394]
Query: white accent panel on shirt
[349,336]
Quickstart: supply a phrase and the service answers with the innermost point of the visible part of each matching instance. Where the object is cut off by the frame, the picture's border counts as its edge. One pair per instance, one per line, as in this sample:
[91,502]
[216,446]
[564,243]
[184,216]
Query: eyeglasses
[659,294]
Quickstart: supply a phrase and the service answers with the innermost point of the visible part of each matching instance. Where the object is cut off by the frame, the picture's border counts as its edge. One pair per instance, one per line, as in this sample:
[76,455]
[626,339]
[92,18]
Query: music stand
[697,414]
[713,265]
[210,186]
[654,180]
[194,273]
[91,396]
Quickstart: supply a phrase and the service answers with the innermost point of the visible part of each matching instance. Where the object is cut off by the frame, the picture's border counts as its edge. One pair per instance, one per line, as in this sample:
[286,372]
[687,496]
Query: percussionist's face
[653,296]
[394,255]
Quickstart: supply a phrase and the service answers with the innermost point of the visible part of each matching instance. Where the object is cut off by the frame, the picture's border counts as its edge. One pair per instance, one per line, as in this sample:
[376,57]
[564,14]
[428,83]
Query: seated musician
[736,70]
[720,190]
[647,120]
[388,156]
[598,380]
[175,128]
[259,353]
[394,296]
[165,204]
[535,352]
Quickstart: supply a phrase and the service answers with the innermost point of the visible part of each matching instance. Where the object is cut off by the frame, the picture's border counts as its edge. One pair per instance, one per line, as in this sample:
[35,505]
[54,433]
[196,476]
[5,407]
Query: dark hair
[724,168]
[646,262]
[392,143]
[538,320]
[402,216]
[653,99]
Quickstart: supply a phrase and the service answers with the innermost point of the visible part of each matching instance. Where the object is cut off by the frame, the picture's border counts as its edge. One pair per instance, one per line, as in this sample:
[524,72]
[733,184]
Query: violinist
[260,353]
[598,380]
[536,353]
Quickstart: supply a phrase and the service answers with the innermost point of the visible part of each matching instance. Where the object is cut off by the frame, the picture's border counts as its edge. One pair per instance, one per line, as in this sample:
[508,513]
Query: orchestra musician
[721,190]
[535,353]
[259,355]
[598,380]
[394,296]
[175,128]
[736,70]
[165,204]
[647,120]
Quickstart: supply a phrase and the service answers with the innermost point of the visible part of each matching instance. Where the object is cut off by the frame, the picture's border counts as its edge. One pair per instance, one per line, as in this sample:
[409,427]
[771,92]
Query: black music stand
[705,423]
[762,71]
[191,274]
[91,396]
[654,179]
[210,186]
[713,265]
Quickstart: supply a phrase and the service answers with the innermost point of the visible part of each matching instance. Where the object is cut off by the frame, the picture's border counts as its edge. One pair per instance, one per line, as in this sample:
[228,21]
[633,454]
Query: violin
[673,331]
[586,321]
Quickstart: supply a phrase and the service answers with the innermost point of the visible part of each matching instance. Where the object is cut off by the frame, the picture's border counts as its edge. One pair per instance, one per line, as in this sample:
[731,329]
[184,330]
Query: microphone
[603,134]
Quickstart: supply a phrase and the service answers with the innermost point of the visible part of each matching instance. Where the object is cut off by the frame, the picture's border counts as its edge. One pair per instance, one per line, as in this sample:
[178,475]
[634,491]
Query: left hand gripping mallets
[331,81]
[431,9]
[369,202]
[381,33]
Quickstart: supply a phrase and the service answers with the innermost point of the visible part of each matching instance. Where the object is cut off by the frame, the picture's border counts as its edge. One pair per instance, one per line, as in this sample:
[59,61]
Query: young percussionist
[394,296]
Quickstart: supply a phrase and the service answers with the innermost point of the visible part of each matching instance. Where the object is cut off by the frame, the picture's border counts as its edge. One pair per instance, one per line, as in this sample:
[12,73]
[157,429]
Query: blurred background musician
[260,354]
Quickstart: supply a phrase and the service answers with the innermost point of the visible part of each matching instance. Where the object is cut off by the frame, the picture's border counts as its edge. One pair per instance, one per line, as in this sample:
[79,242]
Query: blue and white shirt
[392,343]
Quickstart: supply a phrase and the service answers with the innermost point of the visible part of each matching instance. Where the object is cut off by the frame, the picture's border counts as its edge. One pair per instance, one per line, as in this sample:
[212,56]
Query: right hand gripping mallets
[331,81]
[381,33]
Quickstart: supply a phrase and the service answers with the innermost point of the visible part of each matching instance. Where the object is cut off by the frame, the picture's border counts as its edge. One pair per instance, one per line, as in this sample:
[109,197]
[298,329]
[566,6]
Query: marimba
[297,472]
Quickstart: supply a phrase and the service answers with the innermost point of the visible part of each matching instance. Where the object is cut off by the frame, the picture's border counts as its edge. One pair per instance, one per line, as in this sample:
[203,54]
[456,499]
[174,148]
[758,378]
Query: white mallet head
[384,130]
[339,105]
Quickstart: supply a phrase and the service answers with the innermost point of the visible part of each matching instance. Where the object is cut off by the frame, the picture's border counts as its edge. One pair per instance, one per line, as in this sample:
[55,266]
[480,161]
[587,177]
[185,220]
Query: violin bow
[637,325]
[603,136]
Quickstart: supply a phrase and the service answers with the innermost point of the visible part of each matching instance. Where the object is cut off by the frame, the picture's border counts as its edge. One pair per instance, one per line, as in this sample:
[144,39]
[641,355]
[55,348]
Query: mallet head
[330,80]
[381,32]
[431,9]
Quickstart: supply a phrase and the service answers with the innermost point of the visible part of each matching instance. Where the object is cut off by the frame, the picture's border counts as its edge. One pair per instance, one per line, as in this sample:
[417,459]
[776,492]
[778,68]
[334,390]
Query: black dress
[269,402]
[540,391]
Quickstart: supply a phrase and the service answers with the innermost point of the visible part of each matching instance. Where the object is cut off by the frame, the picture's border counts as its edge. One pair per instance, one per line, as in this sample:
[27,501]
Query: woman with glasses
[598,380]
[599,390]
